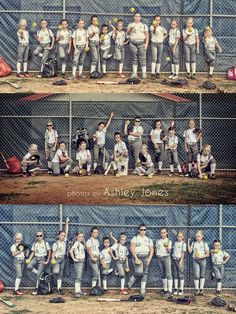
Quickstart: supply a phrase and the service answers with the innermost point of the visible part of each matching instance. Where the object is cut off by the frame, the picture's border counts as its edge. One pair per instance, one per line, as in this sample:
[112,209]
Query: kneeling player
[206,163]
[84,159]
[61,161]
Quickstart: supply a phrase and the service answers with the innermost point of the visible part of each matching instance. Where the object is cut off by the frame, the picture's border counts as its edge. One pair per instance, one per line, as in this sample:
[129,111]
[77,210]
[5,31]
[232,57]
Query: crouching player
[206,163]
[144,165]
[61,161]
[31,161]
[120,163]
[84,159]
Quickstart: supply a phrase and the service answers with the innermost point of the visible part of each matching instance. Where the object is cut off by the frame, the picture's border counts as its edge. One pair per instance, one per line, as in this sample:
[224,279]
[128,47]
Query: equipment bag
[45,284]
[50,68]
[5,69]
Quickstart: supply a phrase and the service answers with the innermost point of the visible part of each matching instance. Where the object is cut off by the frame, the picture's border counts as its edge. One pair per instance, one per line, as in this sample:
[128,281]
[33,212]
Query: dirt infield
[86,85]
[98,190]
[152,304]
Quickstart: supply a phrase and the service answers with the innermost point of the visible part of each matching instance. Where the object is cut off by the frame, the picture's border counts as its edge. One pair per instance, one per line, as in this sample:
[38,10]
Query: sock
[122,283]
[25,65]
[144,70]
[104,68]
[42,66]
[170,285]
[158,67]
[17,283]
[179,168]
[171,168]
[194,68]
[176,281]
[88,167]
[164,282]
[219,286]
[67,168]
[181,284]
[77,287]
[153,68]
[120,67]
[172,68]
[74,71]
[159,165]
[59,283]
[95,166]
[104,283]
[49,164]
[94,283]
[37,284]
[34,271]
[189,167]
[131,281]
[93,68]
[135,69]
[213,168]
[81,69]
[63,68]
[187,67]
[177,69]
[211,70]
[105,165]
[196,284]
[202,282]
[18,67]
[143,287]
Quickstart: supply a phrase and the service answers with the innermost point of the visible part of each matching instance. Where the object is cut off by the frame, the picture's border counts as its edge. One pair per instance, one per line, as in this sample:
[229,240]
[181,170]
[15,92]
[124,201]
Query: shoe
[32,174]
[50,171]
[181,174]
[171,174]
[188,75]
[120,75]
[187,174]
[20,75]
[123,292]
[104,74]
[210,76]
[26,74]
[180,292]
[212,176]
[171,75]
[63,75]
[60,292]
[133,76]
[104,290]
[88,173]
[200,292]
[40,75]
[24,175]
[122,168]
[193,76]
[35,292]
[163,292]
[218,292]
[175,77]
[83,293]
[18,292]
[168,293]
[141,174]
[175,291]
[153,76]
[78,295]
[158,75]
[196,292]
[159,171]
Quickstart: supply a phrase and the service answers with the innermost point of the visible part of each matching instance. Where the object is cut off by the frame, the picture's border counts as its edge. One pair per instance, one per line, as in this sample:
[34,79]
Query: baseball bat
[16,86]
[111,83]
[8,303]
[108,168]
[132,298]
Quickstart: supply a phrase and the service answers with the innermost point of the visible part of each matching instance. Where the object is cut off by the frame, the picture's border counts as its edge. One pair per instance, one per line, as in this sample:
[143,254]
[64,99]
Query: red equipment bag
[5,69]
[13,165]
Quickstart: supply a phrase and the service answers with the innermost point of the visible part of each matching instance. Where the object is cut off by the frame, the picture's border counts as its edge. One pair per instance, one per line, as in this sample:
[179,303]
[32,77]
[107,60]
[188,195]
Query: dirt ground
[153,304]
[100,190]
[35,85]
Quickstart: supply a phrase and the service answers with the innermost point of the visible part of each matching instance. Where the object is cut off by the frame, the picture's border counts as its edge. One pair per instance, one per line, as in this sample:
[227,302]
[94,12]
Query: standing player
[174,37]
[142,249]
[158,35]
[99,138]
[84,159]
[93,35]
[158,144]
[40,257]
[58,256]
[61,161]
[23,49]
[105,47]
[51,140]
[120,154]
[105,257]
[139,39]
[172,153]
[206,163]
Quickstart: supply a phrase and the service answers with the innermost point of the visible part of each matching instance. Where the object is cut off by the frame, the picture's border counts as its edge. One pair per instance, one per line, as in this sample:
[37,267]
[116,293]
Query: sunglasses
[39,236]
[49,125]
[143,229]
[137,121]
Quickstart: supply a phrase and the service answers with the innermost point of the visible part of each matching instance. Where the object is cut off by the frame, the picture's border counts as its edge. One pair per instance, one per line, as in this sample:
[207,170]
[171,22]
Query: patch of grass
[10,196]
[23,311]
[36,182]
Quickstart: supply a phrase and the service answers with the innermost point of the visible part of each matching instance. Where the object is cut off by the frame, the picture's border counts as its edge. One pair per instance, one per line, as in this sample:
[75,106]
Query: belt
[137,41]
[133,140]
[218,264]
[94,41]
[142,255]
[23,45]
[19,258]
[119,45]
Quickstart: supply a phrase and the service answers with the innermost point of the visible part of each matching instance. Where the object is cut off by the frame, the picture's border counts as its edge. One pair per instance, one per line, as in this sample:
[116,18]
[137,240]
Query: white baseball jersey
[45,36]
[121,251]
[136,129]
[25,39]
[173,140]
[148,158]
[138,33]
[210,43]
[51,136]
[40,249]
[60,248]
[59,153]
[105,255]
[21,255]
[120,147]
[83,156]
[204,159]
[161,250]
[119,38]
[79,250]
[218,258]
[199,248]
[142,244]
[155,133]
[189,136]
[80,36]
[101,137]
[94,245]
[93,29]
[173,34]
[178,249]
[27,156]
[192,38]
[158,36]
[106,43]
[66,36]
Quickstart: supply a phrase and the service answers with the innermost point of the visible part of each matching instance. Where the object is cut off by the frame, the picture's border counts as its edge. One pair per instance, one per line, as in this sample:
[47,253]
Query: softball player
[105,47]
[45,39]
[191,146]
[174,37]
[51,140]
[191,47]
[120,154]
[179,251]
[219,258]
[134,136]
[210,44]
[40,257]
[77,253]
[84,159]
[121,257]
[93,33]
[19,253]
[158,35]
[206,163]
[141,248]
[63,39]
[138,43]
[61,160]
[158,144]
[200,250]
[105,257]
[119,37]
[172,153]
[23,49]
[80,44]
[58,255]
[144,165]
[31,161]
[92,245]
[99,142]
[163,250]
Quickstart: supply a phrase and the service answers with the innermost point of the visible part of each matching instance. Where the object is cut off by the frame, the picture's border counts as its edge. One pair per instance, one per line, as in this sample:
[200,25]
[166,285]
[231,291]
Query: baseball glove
[35,157]
[218,302]
[231,307]
[57,300]
[185,300]
[22,247]
[197,131]
[162,135]
[142,158]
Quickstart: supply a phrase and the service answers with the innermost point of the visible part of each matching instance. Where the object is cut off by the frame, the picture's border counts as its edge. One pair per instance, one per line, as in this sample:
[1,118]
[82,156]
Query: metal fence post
[211,12]
[70,123]
[61,216]
[64,9]
[220,222]
[200,116]
[188,262]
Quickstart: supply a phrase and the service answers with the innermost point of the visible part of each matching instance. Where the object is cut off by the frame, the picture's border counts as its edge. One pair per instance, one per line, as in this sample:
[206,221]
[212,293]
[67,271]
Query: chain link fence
[23,120]
[218,14]
[216,221]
